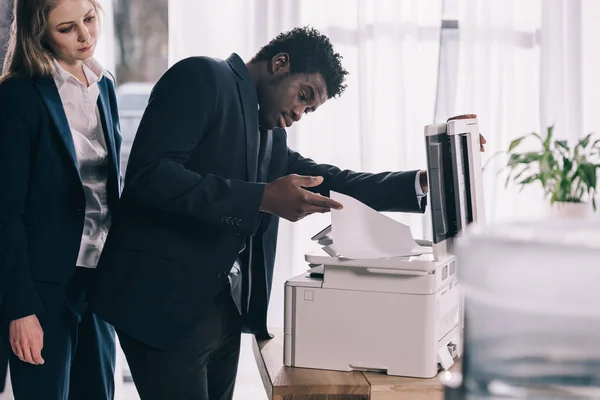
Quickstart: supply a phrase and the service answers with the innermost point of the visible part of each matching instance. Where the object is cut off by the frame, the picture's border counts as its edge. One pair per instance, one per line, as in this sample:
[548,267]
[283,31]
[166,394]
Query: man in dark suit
[188,263]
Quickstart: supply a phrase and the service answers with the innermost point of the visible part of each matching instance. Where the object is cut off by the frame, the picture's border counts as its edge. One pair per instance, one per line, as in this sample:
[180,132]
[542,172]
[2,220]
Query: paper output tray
[424,263]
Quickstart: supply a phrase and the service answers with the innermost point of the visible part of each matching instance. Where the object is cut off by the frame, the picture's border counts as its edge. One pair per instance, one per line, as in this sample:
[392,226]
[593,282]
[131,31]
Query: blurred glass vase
[532,310]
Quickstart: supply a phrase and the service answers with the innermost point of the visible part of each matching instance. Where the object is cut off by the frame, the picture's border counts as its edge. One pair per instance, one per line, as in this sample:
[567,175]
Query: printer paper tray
[392,263]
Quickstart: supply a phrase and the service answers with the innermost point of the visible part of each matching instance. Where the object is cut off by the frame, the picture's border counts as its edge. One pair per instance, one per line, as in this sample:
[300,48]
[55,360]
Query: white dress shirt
[80,105]
[418,189]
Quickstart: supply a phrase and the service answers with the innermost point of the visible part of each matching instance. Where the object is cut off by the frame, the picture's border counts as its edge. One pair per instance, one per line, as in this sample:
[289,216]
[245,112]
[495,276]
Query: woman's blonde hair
[28,52]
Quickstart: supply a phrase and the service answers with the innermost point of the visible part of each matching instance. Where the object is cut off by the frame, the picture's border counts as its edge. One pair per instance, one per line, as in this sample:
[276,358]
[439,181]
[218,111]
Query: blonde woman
[59,177]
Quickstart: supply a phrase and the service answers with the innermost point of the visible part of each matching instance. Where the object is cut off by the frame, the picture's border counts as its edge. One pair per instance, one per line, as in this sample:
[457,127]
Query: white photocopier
[400,315]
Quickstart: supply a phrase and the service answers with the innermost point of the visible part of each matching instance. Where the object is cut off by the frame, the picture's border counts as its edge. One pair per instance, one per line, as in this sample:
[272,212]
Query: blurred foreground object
[532,314]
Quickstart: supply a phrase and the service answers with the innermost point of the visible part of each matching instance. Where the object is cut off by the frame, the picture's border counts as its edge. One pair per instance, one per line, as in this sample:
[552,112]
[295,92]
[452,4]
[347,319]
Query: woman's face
[73,30]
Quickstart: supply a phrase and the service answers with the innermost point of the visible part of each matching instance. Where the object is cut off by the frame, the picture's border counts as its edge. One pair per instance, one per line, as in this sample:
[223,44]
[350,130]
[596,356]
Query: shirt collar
[92,69]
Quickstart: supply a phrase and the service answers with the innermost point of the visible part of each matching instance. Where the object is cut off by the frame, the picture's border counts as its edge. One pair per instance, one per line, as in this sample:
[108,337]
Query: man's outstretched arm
[385,191]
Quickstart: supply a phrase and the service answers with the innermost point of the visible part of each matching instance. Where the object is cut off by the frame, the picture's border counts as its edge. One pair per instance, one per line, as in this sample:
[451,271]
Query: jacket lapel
[249,100]
[51,98]
[107,124]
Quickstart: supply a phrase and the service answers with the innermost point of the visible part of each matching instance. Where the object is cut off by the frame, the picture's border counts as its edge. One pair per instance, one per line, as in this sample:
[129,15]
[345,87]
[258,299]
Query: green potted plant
[567,174]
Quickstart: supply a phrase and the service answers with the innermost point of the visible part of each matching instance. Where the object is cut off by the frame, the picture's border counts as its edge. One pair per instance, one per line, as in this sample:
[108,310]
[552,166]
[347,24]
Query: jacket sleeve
[385,191]
[181,109]
[20,298]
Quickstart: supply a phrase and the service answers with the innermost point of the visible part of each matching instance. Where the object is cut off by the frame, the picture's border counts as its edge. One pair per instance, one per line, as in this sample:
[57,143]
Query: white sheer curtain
[570,66]
[390,48]
[590,53]
[525,65]
[499,79]
[105,49]
[219,28]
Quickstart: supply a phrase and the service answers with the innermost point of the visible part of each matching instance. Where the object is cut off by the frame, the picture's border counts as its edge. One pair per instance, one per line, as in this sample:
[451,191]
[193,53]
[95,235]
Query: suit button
[238,234]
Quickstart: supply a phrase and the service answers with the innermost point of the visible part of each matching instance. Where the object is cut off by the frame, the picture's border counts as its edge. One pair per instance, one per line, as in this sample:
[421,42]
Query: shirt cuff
[418,189]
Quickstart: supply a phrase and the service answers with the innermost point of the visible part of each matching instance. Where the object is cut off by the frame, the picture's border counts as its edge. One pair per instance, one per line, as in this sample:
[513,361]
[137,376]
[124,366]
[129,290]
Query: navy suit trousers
[79,348]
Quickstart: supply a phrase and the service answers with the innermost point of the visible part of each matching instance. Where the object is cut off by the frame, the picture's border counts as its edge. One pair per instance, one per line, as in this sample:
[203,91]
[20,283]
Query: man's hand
[27,339]
[482,140]
[285,198]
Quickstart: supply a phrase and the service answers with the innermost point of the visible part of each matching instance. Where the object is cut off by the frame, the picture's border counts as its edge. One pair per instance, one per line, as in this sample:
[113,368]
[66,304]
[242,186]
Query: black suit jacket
[192,197]
[42,205]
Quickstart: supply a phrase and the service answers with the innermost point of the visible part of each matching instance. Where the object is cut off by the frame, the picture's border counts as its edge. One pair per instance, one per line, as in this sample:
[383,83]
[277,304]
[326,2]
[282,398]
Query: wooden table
[287,383]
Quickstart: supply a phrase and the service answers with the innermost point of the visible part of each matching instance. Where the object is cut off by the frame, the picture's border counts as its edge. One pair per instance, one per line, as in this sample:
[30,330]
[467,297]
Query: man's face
[284,98]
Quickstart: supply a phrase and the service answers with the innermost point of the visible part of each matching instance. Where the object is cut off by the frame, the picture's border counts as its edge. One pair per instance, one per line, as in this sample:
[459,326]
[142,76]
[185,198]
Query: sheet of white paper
[360,232]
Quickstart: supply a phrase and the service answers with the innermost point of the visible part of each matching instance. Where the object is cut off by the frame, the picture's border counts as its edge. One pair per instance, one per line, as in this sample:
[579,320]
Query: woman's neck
[75,68]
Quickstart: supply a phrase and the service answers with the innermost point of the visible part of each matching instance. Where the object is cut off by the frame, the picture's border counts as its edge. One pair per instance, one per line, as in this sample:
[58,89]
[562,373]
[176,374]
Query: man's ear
[280,64]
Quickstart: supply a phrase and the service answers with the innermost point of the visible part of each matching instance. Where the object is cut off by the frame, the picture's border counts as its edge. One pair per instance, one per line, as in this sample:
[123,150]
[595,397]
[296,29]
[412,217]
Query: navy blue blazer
[42,205]
[191,199]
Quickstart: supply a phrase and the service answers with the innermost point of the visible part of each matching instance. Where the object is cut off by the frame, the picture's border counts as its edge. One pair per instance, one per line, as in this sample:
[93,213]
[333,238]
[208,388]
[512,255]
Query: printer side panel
[288,325]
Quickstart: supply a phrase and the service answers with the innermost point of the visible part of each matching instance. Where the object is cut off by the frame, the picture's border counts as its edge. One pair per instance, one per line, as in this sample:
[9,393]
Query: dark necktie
[265,147]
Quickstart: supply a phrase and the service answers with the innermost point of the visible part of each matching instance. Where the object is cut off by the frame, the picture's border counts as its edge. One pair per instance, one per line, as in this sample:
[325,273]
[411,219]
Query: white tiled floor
[248,387]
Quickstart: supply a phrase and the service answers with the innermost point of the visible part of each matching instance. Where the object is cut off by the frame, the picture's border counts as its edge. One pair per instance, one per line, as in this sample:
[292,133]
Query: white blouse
[80,105]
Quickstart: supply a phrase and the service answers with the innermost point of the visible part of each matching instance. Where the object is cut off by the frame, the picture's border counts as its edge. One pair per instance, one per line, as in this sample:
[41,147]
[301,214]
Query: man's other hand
[287,199]
[482,140]
[27,339]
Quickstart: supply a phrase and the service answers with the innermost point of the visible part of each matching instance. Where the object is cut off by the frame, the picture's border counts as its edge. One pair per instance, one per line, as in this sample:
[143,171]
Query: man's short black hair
[310,52]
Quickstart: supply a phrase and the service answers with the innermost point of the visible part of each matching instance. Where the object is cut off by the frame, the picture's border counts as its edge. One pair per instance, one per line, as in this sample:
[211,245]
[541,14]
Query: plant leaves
[562,144]
[525,158]
[530,157]
[515,143]
[520,174]
[528,180]
[567,165]
[548,137]
[583,143]
[588,174]
[513,160]
[566,173]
